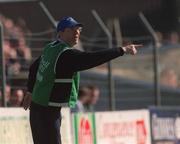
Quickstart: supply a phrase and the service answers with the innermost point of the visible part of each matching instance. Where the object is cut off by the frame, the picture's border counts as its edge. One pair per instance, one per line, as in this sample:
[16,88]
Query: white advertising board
[66,126]
[14,126]
[123,127]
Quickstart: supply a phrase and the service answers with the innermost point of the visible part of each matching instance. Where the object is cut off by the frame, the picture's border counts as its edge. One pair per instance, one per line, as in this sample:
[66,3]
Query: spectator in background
[12,98]
[83,98]
[0,99]
[8,26]
[160,39]
[11,59]
[16,98]
[2,18]
[169,78]
[24,51]
[94,96]
[23,27]
[9,52]
[172,38]
[13,68]
[7,94]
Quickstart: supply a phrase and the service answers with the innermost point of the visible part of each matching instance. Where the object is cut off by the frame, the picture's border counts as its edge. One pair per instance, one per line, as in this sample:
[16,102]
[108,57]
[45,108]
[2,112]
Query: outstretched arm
[76,60]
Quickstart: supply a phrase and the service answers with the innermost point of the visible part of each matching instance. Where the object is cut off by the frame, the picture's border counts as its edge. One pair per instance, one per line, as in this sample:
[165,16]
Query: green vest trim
[63,80]
[53,104]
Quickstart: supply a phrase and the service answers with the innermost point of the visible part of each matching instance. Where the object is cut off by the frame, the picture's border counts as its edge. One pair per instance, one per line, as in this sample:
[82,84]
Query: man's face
[71,35]
[94,96]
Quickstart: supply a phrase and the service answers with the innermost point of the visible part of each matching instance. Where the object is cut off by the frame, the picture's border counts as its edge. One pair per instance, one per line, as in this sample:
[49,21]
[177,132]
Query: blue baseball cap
[67,22]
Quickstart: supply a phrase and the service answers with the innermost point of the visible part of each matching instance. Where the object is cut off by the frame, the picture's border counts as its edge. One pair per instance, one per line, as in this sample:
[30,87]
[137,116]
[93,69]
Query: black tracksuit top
[71,61]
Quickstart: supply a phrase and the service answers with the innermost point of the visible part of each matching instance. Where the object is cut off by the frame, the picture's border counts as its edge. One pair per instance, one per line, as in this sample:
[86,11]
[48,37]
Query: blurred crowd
[17,55]
[16,51]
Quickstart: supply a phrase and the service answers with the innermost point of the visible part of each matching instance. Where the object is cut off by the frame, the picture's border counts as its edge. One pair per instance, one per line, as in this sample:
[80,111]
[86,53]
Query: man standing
[84,95]
[54,79]
[94,97]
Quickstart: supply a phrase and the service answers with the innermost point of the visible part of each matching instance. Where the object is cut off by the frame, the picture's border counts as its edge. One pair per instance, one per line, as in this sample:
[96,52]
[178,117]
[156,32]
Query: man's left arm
[30,83]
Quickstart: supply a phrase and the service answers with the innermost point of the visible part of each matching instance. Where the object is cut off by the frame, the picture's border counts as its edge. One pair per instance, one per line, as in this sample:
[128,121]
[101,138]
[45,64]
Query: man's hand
[27,100]
[131,49]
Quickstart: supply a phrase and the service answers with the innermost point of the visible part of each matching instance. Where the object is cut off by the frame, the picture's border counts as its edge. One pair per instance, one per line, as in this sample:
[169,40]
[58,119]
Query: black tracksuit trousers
[45,124]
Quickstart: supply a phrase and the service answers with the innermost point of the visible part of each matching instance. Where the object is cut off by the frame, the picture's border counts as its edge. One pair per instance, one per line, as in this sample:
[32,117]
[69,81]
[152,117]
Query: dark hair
[83,91]
[92,87]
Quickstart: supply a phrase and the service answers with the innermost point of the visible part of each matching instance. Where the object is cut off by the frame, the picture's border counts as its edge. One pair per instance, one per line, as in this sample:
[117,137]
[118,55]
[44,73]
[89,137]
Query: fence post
[155,58]
[110,77]
[2,67]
